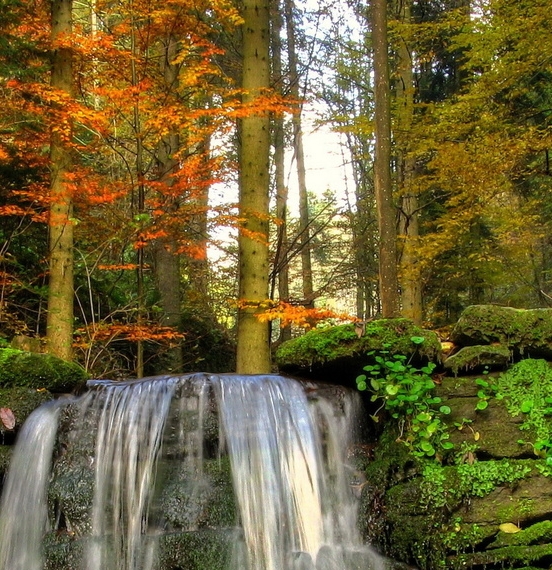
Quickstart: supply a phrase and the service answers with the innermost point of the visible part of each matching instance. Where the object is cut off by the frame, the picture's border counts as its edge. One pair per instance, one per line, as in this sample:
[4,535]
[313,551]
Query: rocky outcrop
[487,501]
[482,496]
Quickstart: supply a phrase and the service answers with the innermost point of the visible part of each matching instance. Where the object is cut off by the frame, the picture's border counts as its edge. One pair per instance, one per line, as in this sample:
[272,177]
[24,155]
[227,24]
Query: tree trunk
[411,288]
[253,350]
[304,216]
[59,326]
[167,261]
[388,277]
[281,267]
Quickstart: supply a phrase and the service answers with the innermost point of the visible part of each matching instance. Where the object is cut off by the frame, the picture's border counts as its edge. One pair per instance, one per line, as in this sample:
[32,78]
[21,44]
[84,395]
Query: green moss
[5,457]
[327,344]
[478,356]
[538,533]
[527,389]
[33,370]
[511,555]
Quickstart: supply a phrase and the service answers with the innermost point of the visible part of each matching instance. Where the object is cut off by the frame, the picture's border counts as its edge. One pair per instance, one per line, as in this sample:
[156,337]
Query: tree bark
[167,261]
[388,275]
[411,288]
[59,325]
[253,349]
[304,216]
[281,266]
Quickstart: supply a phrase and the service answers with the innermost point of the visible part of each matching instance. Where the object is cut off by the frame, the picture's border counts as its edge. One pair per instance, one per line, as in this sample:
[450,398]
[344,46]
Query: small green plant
[482,477]
[486,391]
[406,392]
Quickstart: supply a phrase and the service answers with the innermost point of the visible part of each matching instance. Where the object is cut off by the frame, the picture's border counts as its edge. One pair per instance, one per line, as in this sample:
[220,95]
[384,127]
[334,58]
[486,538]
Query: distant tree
[388,275]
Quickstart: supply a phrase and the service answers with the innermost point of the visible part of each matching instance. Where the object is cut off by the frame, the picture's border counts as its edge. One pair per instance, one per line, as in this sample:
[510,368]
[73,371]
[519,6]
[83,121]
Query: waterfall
[217,472]
[23,511]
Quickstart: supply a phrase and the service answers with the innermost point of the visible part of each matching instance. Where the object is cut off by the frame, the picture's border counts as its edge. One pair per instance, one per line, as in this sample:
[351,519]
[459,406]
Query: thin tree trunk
[140,208]
[411,288]
[389,287]
[281,267]
[304,216]
[59,326]
[253,350]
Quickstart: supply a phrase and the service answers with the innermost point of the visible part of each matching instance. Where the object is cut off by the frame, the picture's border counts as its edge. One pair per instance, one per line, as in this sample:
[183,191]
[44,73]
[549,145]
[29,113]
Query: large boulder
[525,332]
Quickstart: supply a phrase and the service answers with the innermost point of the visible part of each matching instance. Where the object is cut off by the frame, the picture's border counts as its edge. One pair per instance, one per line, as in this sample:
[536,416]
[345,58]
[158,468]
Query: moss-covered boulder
[478,357]
[526,332]
[39,371]
[338,353]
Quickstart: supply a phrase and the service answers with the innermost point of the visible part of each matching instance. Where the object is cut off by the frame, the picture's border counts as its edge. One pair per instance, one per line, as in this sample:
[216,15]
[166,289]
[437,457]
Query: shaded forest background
[120,128]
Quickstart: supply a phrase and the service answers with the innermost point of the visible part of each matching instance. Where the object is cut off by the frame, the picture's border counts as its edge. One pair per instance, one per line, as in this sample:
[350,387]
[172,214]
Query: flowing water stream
[195,472]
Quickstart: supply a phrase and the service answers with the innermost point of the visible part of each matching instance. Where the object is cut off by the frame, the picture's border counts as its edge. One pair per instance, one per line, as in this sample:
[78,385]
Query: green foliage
[526,389]
[406,392]
[481,477]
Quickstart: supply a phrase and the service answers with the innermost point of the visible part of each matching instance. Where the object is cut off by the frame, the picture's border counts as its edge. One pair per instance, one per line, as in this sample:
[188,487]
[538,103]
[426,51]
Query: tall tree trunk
[59,326]
[388,275]
[411,288]
[167,261]
[281,267]
[304,217]
[253,350]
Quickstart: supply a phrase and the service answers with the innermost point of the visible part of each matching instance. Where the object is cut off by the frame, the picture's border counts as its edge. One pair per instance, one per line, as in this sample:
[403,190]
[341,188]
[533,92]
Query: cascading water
[195,472]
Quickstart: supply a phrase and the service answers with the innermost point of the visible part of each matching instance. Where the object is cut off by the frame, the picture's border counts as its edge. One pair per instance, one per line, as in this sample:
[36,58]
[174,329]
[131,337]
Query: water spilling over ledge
[194,472]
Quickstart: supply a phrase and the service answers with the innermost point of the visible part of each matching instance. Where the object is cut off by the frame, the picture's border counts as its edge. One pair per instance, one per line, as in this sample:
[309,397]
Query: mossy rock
[526,332]
[507,557]
[478,357]
[489,433]
[21,401]
[460,508]
[338,353]
[39,371]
